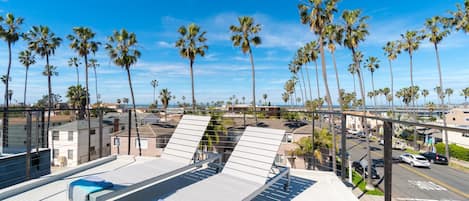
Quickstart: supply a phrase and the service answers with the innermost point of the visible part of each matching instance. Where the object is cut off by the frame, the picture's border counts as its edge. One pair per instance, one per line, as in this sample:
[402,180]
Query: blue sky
[225,71]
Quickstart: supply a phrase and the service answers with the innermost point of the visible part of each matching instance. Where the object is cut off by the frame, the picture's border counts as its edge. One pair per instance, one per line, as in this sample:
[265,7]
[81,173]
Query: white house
[69,142]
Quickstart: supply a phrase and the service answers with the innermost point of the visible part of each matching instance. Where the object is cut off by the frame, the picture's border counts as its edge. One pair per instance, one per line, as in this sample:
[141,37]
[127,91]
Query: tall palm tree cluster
[350,29]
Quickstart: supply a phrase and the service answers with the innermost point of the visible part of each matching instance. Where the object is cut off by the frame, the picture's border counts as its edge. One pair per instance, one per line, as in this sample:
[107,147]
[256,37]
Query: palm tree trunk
[413,99]
[363,119]
[154,95]
[49,107]
[301,89]
[5,112]
[442,100]
[354,87]
[87,100]
[25,85]
[253,85]
[96,84]
[317,81]
[304,86]
[337,79]
[329,102]
[192,81]
[309,83]
[135,111]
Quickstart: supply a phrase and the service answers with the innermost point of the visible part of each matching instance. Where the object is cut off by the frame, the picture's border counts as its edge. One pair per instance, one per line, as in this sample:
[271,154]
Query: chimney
[116,124]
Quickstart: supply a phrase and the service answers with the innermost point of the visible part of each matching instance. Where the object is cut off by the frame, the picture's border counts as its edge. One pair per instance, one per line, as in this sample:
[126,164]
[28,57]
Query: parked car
[414,160]
[361,134]
[353,132]
[362,168]
[435,158]
[381,142]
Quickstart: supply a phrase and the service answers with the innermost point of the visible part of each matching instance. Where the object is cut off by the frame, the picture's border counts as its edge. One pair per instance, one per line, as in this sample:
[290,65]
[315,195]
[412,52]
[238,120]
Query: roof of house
[79,124]
[148,130]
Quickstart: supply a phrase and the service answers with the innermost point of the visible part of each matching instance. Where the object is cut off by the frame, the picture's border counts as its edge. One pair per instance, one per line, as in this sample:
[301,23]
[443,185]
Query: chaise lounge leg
[287,183]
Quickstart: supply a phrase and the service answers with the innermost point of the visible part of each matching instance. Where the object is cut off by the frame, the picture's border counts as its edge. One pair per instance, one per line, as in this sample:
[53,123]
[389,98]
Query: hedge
[455,151]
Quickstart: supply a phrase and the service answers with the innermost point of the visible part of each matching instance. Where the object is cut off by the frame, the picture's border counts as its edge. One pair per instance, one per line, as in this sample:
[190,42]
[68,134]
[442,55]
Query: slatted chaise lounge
[245,175]
[177,157]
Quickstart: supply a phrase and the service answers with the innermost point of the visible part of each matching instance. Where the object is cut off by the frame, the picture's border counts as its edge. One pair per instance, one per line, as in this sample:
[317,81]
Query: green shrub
[455,151]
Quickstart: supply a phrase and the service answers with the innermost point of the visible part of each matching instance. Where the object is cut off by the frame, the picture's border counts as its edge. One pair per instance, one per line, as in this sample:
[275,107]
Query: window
[92,151]
[467,119]
[70,135]
[55,135]
[55,152]
[454,119]
[117,141]
[92,132]
[143,143]
[162,141]
[70,154]
[288,137]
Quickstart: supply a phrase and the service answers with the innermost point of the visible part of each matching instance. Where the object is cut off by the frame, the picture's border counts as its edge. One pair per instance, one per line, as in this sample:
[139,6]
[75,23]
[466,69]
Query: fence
[111,132]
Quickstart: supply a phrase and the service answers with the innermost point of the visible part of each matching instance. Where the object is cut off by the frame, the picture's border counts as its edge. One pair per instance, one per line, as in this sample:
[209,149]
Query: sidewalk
[364,197]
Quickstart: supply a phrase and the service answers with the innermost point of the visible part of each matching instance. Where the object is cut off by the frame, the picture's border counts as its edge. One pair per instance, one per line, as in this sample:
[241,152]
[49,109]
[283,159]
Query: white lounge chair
[245,174]
[176,158]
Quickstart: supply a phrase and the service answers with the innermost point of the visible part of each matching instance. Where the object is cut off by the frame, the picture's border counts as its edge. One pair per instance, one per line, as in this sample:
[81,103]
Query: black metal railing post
[130,132]
[28,144]
[312,138]
[44,140]
[100,120]
[387,160]
[343,146]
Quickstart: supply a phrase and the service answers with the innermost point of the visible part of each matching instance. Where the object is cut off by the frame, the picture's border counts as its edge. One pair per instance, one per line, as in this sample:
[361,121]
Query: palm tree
[77,96]
[264,96]
[75,62]
[94,64]
[301,59]
[285,97]
[425,93]
[372,63]
[410,43]
[318,14]
[334,35]
[352,70]
[26,58]
[165,97]
[356,30]
[191,44]
[244,36]
[460,19]
[154,84]
[435,36]
[449,92]
[122,48]
[295,67]
[82,43]
[44,42]
[314,51]
[465,93]
[10,35]
[391,50]
[385,91]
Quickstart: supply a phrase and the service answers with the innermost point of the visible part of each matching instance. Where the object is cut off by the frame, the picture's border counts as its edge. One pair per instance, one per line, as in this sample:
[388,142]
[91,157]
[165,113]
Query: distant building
[268,110]
[69,142]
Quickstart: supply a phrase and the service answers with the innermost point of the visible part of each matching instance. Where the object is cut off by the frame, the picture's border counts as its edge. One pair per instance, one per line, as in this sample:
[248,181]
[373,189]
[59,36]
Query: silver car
[414,160]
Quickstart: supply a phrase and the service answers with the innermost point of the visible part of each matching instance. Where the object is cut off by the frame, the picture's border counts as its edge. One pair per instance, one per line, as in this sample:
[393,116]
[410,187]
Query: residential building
[458,116]
[153,138]
[69,142]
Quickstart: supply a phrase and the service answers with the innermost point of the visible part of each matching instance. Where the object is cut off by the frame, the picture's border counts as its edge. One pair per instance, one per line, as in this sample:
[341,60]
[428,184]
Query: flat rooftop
[304,184]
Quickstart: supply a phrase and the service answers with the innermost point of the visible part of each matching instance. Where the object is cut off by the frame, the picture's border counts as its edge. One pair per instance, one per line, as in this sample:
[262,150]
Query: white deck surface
[305,184]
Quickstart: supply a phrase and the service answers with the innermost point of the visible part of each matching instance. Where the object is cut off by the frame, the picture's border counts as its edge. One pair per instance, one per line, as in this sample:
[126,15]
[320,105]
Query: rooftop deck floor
[304,185]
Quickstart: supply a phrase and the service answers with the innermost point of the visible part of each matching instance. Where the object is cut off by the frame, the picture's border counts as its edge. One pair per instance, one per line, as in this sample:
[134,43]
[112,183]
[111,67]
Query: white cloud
[164,44]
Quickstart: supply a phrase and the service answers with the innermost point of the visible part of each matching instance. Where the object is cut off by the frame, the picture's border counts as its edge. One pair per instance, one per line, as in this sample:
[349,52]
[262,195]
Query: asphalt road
[436,183]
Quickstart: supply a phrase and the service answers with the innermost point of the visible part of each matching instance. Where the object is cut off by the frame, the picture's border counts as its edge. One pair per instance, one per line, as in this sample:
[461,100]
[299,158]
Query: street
[439,182]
